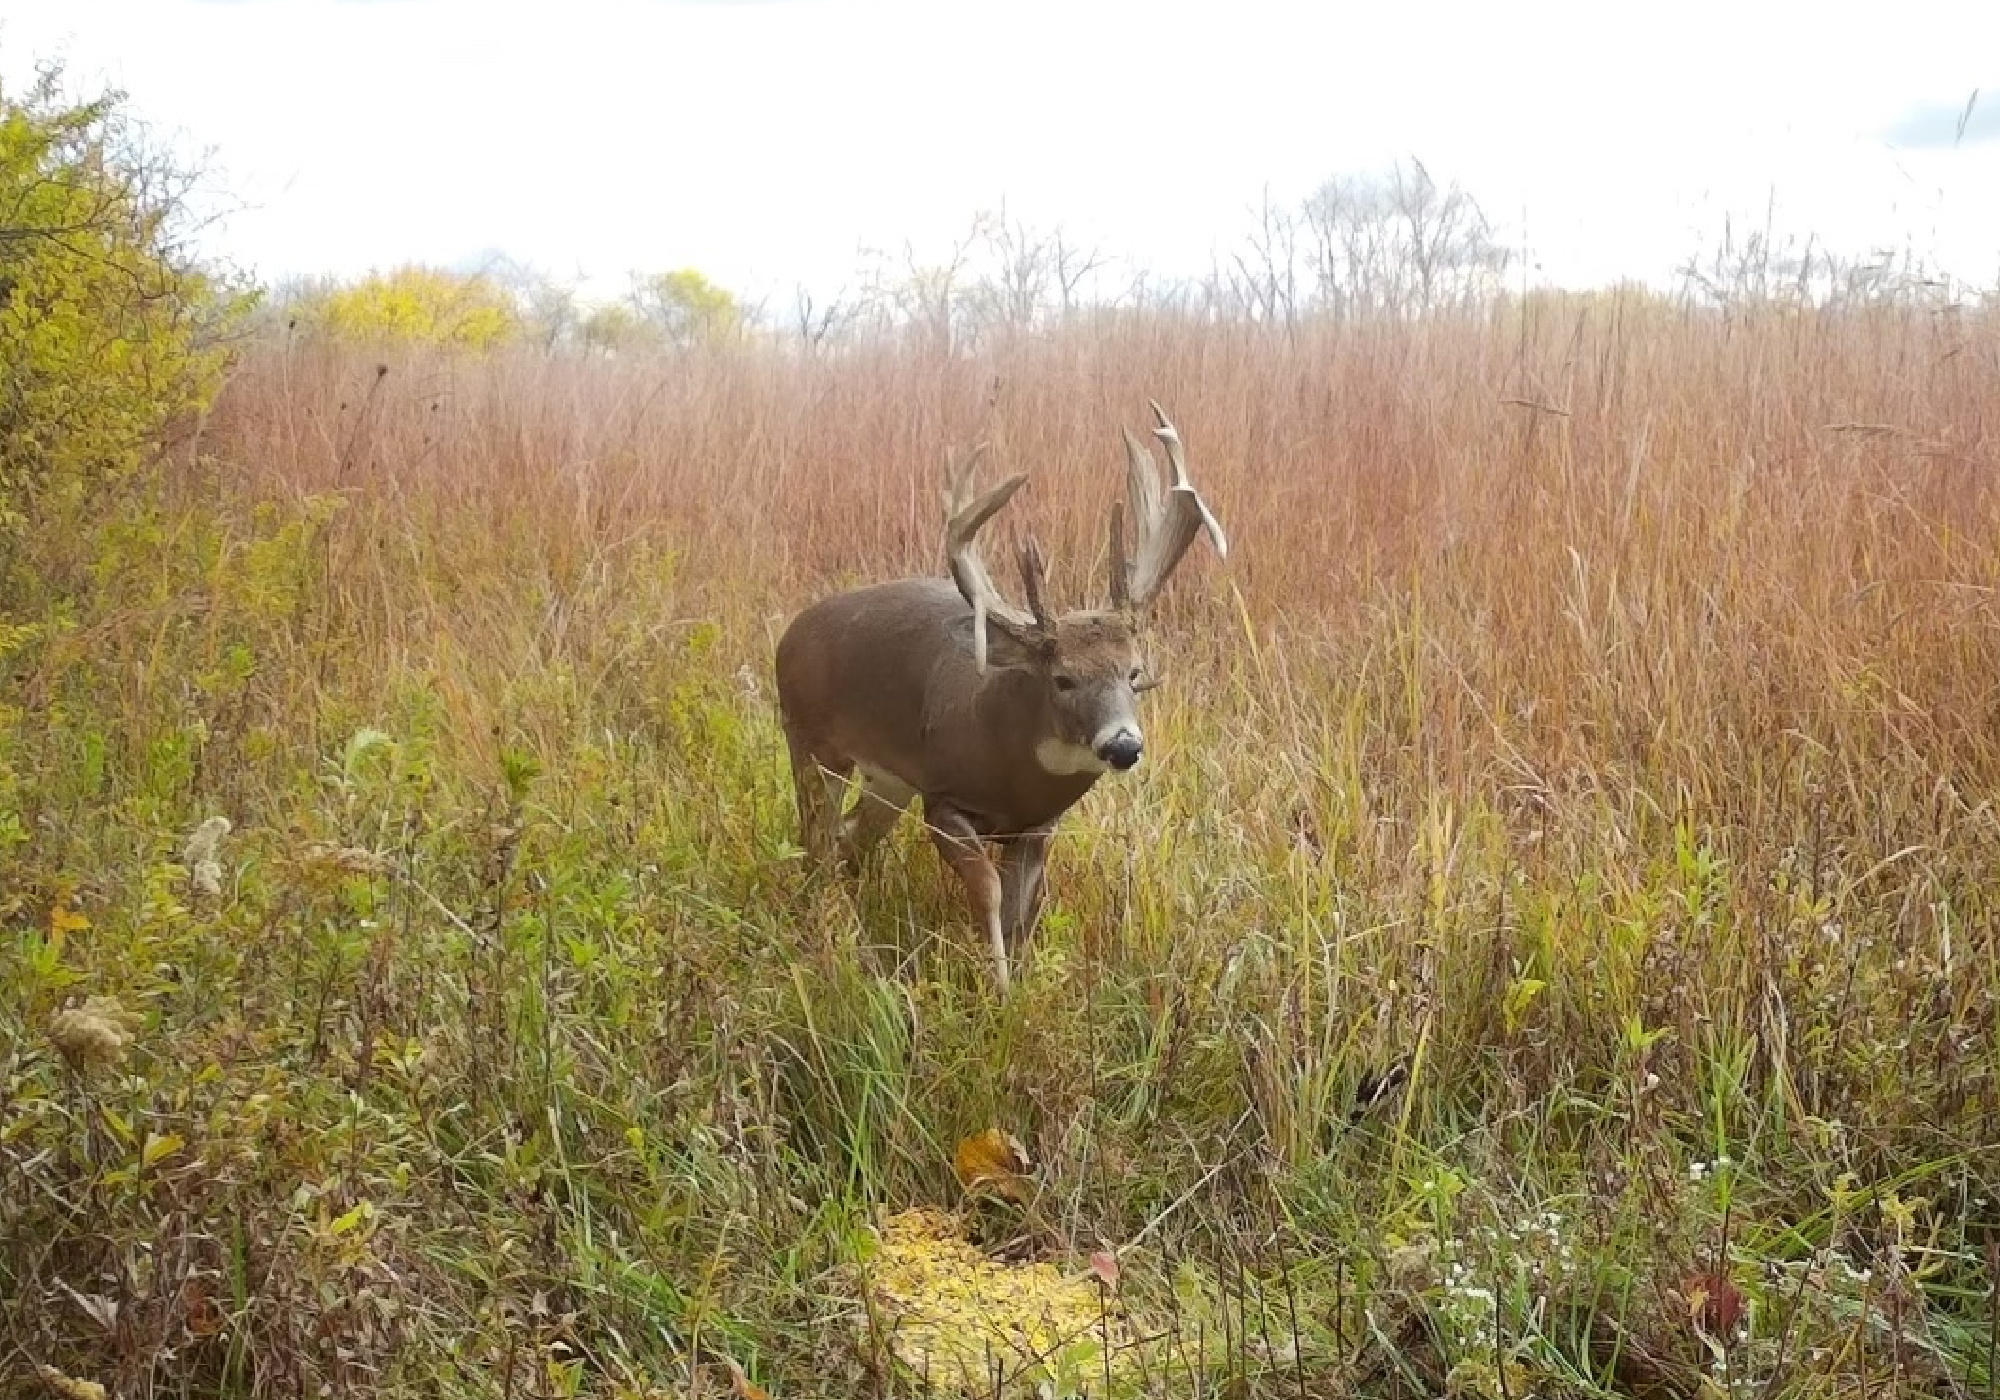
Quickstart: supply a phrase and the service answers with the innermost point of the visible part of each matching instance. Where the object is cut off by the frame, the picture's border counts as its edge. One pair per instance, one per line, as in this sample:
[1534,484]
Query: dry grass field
[1550,948]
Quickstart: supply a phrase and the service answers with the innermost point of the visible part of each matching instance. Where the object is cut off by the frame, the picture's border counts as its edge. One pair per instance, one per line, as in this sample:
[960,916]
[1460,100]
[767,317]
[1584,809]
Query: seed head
[96,1033]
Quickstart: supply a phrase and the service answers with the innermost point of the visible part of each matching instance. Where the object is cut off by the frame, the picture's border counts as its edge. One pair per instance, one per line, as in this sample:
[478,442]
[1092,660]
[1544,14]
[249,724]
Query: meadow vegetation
[1550,949]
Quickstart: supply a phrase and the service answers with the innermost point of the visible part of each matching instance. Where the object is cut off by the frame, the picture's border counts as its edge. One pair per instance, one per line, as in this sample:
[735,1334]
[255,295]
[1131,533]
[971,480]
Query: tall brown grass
[1663,544]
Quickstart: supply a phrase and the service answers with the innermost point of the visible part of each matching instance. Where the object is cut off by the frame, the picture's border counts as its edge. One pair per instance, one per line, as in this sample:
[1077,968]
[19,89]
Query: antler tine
[1167,433]
[964,515]
[1033,568]
[1121,591]
[1164,522]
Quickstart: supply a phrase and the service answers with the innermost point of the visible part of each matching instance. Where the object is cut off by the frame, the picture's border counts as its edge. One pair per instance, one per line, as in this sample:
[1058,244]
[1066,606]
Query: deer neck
[1047,772]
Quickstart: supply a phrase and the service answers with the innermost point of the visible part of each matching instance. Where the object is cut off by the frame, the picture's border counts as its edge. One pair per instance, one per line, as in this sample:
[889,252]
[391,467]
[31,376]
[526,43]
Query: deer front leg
[1022,863]
[964,849]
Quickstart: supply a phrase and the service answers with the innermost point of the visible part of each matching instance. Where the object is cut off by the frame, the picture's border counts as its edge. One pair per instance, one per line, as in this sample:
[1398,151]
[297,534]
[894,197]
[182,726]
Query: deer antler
[1032,572]
[964,515]
[1164,523]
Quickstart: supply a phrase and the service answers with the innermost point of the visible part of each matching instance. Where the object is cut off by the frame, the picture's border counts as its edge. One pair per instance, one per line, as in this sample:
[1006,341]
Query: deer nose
[1121,750]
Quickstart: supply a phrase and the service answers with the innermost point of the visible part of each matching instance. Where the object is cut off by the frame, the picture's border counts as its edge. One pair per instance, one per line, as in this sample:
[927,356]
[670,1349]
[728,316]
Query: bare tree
[1345,230]
[1399,244]
[923,296]
[1450,246]
[1266,281]
[1767,266]
[818,321]
[548,306]
[1031,274]
[1073,264]
[1014,294]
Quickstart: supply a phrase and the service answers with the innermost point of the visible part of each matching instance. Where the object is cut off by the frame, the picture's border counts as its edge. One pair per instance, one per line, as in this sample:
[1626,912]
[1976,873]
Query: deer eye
[1138,674]
[1065,683]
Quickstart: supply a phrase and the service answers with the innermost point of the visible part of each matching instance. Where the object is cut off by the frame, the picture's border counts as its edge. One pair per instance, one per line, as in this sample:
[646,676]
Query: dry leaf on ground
[994,1162]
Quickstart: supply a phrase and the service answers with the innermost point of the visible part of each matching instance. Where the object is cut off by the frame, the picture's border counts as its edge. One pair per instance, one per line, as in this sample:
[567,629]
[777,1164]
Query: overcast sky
[765,141]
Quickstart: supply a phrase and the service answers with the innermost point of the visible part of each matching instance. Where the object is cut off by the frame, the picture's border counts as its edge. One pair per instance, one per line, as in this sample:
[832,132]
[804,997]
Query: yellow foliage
[418,305]
[742,1387]
[687,308]
[64,917]
[109,333]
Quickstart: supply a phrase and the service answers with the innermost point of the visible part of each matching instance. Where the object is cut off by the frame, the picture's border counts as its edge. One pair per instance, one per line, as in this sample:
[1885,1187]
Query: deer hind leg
[1023,861]
[883,798]
[820,781]
[964,850]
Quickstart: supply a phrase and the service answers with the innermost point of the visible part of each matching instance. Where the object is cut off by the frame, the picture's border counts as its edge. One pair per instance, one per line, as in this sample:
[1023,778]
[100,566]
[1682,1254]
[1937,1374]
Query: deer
[999,717]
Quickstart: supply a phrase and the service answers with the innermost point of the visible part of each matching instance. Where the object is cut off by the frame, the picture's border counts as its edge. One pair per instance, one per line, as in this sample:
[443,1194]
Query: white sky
[764,141]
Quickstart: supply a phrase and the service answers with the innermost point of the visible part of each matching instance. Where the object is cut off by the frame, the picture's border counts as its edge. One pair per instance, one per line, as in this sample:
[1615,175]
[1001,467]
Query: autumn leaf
[203,1318]
[994,1162]
[159,1147]
[99,1309]
[1715,1304]
[64,918]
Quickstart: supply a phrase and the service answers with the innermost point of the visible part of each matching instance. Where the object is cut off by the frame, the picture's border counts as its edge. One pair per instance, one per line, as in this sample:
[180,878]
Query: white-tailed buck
[999,717]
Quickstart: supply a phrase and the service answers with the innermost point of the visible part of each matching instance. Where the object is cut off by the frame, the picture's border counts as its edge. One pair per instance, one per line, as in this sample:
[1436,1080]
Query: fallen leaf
[203,1318]
[1715,1304]
[64,919]
[100,1309]
[993,1161]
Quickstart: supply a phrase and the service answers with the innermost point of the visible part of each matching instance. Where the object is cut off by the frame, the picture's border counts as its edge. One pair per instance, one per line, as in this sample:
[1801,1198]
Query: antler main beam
[1164,522]
[965,514]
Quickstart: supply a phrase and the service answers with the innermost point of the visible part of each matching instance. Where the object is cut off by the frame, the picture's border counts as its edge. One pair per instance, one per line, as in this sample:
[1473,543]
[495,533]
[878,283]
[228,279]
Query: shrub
[418,305]
[109,330]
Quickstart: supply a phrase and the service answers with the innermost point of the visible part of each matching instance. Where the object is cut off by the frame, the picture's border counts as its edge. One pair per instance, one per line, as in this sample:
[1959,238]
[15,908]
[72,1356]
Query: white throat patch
[1061,757]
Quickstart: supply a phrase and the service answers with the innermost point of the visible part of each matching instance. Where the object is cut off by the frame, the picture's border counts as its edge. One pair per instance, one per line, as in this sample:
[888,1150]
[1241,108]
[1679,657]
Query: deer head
[1086,665]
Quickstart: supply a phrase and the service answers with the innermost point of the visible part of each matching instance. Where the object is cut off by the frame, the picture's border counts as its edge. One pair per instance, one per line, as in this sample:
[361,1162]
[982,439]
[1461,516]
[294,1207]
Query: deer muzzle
[1121,748]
